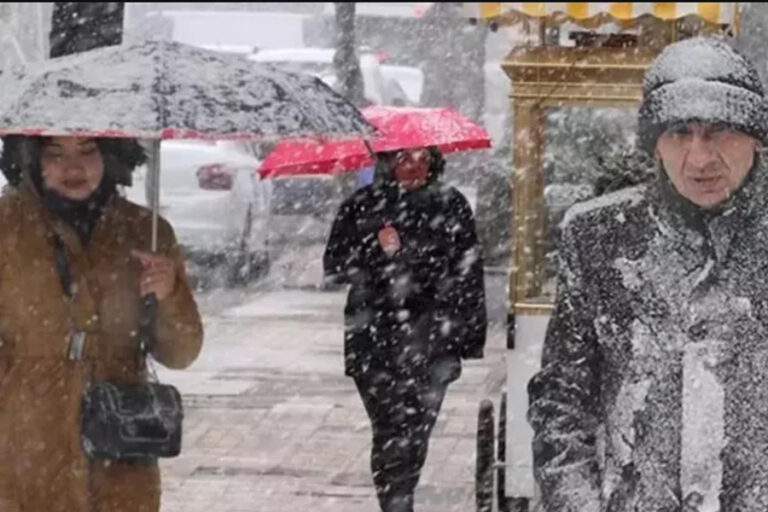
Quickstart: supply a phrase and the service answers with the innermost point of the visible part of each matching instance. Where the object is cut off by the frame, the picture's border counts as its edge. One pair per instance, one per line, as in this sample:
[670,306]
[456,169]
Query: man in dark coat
[653,392]
[407,246]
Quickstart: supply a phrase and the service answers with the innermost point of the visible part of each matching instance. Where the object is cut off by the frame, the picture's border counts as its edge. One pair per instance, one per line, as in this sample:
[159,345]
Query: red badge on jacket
[389,240]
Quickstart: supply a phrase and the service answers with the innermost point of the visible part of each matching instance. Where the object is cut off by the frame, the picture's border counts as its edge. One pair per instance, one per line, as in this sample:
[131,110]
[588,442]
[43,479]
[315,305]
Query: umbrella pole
[373,157]
[146,334]
[154,176]
[370,149]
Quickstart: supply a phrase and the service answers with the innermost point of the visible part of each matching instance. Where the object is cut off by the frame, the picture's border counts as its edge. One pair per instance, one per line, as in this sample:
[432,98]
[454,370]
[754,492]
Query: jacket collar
[32,202]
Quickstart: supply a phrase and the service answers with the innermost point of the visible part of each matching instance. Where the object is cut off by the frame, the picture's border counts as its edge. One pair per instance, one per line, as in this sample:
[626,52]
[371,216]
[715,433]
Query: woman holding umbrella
[65,215]
[60,335]
[407,246]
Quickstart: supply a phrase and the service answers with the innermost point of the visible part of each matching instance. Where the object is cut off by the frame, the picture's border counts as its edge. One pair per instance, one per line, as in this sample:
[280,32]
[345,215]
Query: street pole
[345,59]
[82,26]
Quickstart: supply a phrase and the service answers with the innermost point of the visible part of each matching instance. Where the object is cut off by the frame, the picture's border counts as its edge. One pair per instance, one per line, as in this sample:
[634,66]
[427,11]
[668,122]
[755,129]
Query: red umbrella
[399,128]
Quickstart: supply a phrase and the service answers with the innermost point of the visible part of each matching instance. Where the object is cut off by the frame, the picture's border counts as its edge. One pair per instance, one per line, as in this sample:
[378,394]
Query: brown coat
[42,465]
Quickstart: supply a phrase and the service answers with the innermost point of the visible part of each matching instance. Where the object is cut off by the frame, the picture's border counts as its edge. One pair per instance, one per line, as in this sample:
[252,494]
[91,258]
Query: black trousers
[402,411]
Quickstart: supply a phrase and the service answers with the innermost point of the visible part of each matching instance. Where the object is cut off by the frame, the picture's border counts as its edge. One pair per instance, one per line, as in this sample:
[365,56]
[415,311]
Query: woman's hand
[159,275]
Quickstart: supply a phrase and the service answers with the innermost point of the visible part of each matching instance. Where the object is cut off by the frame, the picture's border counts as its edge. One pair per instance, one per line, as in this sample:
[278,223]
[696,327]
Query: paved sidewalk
[272,425]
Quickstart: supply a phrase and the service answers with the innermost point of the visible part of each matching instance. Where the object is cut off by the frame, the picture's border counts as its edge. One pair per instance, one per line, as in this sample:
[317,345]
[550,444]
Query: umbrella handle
[147,324]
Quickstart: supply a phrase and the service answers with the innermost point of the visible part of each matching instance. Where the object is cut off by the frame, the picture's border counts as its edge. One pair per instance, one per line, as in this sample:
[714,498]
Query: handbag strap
[146,330]
[62,267]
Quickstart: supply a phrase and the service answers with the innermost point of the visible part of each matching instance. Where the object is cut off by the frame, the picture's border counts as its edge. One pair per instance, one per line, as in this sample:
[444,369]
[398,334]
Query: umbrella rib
[296,97]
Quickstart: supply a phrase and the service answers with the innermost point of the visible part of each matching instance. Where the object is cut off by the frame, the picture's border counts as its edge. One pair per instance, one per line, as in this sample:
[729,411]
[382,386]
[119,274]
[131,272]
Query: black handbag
[125,422]
[131,422]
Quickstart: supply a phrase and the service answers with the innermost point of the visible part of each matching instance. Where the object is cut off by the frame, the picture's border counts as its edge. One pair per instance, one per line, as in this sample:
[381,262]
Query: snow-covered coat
[422,307]
[42,465]
[653,392]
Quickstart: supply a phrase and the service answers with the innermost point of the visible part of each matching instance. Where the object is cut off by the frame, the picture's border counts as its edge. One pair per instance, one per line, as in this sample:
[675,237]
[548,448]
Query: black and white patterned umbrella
[168,90]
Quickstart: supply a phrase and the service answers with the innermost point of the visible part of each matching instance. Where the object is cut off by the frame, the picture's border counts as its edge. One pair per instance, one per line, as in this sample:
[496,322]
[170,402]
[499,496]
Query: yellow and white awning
[722,13]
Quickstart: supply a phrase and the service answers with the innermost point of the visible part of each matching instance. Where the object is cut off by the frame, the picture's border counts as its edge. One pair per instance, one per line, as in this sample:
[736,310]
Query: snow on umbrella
[399,128]
[165,90]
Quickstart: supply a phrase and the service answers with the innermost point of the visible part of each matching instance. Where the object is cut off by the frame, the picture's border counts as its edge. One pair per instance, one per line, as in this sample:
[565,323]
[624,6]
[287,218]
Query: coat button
[697,331]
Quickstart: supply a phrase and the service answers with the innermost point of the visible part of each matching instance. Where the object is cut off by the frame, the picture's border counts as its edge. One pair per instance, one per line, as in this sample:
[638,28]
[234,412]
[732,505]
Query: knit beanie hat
[701,80]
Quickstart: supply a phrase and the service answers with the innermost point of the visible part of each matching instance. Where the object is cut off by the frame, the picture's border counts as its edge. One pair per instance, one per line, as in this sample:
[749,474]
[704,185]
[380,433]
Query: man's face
[706,163]
[412,168]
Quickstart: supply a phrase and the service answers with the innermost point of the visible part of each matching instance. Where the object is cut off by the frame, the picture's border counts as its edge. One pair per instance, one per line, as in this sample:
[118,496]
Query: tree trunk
[345,60]
[82,26]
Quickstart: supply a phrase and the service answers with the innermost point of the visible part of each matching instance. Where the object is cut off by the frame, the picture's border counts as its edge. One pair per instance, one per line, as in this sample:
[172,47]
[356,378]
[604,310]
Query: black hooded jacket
[423,305]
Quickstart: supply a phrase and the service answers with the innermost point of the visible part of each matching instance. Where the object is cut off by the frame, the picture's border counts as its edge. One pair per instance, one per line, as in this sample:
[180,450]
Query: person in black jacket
[407,246]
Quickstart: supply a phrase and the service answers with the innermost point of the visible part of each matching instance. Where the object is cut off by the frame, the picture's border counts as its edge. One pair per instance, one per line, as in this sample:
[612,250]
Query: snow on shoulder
[630,196]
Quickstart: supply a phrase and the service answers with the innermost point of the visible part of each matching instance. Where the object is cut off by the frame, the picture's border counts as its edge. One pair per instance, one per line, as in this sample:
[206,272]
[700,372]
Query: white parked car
[217,204]
[409,78]
[378,90]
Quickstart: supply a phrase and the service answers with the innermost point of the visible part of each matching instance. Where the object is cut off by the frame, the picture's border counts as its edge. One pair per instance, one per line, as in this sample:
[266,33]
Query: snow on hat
[701,80]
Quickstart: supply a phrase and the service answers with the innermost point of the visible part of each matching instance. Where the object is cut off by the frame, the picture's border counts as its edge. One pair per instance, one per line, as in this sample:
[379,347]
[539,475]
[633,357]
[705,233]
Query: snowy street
[273,425]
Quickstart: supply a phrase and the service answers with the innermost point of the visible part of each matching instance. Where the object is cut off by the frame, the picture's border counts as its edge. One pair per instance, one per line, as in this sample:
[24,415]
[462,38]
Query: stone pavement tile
[431,498]
[272,435]
[441,448]
[180,467]
[219,437]
[346,416]
[287,427]
[275,448]
[435,465]
[194,430]
[266,455]
[465,447]
[310,412]
[362,463]
[326,454]
[203,487]
[454,426]
[267,498]
[360,433]
[457,470]
[357,479]
[338,498]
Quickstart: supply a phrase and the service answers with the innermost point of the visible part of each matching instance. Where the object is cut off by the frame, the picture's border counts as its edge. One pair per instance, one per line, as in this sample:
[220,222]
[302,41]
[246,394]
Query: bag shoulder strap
[62,266]
[146,331]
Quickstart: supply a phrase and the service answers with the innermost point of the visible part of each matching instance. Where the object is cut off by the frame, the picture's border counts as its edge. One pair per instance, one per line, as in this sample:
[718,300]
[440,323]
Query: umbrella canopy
[398,128]
[168,90]
[596,13]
